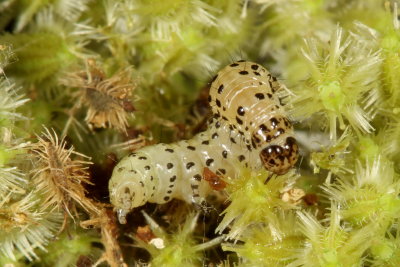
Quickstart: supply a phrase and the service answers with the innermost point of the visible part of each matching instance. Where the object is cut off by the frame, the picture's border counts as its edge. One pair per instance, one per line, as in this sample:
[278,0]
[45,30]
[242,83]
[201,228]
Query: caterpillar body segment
[164,171]
[243,95]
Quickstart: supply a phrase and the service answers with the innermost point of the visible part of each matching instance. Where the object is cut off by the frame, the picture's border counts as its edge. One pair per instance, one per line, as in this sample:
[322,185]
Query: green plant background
[340,61]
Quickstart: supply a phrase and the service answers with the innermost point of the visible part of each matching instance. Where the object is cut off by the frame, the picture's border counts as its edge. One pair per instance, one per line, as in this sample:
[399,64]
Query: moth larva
[249,127]
[164,171]
[243,95]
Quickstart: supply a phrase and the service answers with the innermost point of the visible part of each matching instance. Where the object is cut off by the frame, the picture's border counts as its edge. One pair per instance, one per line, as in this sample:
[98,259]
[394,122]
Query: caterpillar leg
[195,185]
[200,189]
[203,206]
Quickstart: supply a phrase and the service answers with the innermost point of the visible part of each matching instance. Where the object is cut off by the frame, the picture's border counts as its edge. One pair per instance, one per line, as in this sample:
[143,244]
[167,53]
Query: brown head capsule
[280,159]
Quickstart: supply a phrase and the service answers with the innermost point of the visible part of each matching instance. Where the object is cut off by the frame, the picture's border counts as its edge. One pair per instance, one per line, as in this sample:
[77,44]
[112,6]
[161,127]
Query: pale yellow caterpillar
[249,127]
[243,95]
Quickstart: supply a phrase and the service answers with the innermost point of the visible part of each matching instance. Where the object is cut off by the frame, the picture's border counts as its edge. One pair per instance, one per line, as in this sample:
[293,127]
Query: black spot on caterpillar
[242,117]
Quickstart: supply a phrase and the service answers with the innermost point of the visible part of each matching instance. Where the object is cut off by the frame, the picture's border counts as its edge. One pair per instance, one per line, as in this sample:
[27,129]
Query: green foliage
[385,250]
[332,244]
[177,249]
[371,196]
[10,100]
[265,199]
[270,246]
[66,250]
[26,225]
[340,77]
[333,157]
[41,55]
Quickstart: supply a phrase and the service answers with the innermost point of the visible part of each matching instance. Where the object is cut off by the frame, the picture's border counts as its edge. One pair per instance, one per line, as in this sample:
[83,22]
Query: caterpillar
[249,127]
[243,95]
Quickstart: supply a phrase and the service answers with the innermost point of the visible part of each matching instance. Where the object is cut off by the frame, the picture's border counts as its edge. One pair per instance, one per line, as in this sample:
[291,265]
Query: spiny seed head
[107,99]
[58,176]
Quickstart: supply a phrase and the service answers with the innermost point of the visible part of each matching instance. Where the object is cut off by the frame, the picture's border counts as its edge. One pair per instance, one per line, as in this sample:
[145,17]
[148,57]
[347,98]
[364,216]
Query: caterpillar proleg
[249,127]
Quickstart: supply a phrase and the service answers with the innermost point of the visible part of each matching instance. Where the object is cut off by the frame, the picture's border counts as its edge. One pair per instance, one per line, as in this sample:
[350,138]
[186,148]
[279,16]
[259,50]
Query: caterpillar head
[125,194]
[280,159]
